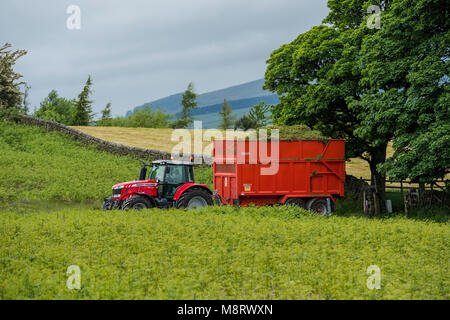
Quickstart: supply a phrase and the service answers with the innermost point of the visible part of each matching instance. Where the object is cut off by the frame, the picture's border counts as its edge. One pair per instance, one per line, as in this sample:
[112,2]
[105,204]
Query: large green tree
[329,79]
[10,94]
[83,108]
[56,108]
[405,67]
[316,76]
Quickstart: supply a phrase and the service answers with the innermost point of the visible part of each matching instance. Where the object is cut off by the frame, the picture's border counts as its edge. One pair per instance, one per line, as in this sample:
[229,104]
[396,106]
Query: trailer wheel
[194,199]
[320,206]
[137,203]
[297,201]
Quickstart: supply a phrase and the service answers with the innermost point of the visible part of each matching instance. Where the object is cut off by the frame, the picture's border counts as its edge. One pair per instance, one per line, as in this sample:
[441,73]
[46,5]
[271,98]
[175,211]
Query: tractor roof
[173,162]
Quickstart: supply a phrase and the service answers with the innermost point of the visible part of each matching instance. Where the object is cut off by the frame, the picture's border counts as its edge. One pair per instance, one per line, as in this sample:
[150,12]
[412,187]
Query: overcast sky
[139,51]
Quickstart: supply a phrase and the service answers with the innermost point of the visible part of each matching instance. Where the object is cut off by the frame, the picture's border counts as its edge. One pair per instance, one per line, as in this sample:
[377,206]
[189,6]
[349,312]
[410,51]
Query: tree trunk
[421,194]
[378,155]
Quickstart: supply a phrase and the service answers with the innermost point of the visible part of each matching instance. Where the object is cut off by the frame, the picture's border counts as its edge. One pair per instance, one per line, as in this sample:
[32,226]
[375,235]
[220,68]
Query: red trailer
[310,173]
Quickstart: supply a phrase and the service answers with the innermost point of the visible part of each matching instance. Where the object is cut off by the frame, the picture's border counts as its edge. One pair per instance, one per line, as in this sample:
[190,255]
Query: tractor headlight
[117,191]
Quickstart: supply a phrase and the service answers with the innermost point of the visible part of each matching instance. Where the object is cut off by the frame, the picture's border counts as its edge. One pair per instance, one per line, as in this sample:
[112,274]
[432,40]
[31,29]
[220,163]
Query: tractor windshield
[157,173]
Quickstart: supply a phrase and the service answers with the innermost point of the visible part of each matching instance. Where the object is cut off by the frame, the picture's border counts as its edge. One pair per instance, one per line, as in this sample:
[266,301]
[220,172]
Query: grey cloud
[138,51]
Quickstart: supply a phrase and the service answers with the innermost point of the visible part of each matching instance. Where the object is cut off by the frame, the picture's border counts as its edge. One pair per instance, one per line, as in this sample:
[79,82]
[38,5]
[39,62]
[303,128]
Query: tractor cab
[168,183]
[171,175]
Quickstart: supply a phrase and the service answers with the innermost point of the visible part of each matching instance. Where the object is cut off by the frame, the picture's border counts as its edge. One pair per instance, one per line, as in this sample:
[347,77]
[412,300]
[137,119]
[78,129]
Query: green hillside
[41,165]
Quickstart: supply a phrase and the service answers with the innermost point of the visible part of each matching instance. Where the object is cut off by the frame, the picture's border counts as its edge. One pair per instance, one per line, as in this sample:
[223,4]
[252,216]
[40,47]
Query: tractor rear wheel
[297,201]
[137,203]
[194,199]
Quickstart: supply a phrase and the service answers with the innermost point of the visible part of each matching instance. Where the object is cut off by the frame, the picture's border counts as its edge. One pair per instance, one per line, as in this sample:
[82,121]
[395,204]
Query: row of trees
[144,118]
[372,86]
[76,112]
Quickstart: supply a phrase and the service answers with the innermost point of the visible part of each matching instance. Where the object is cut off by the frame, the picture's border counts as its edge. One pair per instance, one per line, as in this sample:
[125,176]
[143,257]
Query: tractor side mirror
[143,173]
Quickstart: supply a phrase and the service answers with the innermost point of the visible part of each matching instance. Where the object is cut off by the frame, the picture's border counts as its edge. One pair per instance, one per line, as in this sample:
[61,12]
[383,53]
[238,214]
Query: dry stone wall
[119,149]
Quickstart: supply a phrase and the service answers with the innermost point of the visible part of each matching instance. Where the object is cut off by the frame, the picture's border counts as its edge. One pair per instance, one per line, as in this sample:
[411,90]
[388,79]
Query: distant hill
[235,105]
[172,104]
[210,114]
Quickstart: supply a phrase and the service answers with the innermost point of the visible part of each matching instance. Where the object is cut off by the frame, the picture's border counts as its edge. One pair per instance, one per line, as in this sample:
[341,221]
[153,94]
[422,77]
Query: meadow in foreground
[220,253]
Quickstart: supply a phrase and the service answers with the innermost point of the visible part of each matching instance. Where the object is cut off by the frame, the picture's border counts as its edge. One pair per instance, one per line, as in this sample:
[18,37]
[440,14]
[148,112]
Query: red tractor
[169,184]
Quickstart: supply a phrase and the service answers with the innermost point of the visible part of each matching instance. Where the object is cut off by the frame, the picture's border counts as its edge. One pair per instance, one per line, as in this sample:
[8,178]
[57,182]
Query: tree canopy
[361,84]
[404,69]
[143,118]
[189,103]
[245,123]
[259,113]
[56,108]
[106,113]
[10,94]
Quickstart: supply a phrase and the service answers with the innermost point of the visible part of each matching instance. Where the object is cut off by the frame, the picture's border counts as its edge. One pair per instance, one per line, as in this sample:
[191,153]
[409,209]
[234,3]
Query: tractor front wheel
[194,199]
[137,203]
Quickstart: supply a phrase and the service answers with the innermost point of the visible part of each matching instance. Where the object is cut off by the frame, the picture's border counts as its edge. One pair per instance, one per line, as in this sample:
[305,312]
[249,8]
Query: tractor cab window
[175,175]
[158,173]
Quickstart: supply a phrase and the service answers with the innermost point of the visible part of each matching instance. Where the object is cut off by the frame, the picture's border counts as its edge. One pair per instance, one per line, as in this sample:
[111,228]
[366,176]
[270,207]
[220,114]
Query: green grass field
[216,253]
[220,253]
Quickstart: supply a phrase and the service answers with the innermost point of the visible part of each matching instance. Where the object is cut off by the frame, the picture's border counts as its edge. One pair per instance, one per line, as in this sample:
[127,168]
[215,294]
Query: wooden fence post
[376,203]
[405,200]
